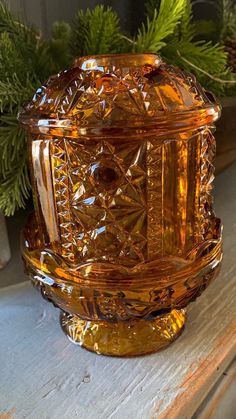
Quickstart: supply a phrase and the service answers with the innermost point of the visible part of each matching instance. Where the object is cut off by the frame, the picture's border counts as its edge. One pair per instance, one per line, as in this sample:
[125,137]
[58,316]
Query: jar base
[132,338]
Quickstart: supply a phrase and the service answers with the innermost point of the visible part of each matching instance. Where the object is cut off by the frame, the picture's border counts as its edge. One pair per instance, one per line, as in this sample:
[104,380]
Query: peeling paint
[8,415]
[198,382]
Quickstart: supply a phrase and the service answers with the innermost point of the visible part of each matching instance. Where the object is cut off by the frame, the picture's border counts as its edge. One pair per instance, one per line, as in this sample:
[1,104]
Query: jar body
[125,227]
[124,236]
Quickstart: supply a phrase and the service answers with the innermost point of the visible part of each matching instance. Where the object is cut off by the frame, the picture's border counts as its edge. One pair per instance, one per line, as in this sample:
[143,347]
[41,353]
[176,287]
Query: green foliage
[13,92]
[24,38]
[32,50]
[59,45]
[95,32]
[79,33]
[206,60]
[186,27]
[150,7]
[227,18]
[26,60]
[151,36]
[225,24]
[14,177]
[207,29]
[200,58]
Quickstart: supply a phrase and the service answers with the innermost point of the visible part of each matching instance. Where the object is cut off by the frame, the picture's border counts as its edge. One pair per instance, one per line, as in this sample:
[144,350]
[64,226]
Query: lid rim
[94,62]
[177,121]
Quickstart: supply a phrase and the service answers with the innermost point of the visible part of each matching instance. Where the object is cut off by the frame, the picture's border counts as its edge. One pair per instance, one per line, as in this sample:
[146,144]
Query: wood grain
[43,375]
[221,401]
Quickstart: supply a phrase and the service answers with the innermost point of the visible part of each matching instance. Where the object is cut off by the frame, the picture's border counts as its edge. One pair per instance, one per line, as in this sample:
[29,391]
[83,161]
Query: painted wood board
[220,403]
[43,375]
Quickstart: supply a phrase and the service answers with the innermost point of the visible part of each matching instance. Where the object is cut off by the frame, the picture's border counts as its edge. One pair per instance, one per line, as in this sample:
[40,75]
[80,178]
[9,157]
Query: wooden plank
[221,401]
[43,375]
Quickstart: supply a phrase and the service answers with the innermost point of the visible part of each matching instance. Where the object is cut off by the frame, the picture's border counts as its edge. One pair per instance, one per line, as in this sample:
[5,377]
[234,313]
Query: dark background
[43,13]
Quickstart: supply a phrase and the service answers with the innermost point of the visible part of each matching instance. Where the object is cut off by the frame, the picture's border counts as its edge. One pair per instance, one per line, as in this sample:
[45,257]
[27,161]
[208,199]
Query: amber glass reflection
[124,235]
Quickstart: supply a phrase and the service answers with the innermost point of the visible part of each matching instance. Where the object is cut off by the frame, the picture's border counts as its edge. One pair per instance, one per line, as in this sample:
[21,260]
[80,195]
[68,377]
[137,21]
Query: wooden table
[43,375]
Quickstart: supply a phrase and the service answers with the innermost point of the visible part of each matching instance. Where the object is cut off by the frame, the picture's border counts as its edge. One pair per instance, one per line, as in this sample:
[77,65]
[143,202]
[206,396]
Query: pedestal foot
[136,337]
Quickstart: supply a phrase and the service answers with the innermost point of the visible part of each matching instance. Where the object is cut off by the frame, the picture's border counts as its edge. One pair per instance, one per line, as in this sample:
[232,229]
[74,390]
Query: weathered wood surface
[43,375]
[220,403]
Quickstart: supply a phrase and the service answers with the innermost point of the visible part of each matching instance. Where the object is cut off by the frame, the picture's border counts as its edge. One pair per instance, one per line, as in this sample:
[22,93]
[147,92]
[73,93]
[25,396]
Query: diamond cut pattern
[114,94]
[61,190]
[208,148]
[100,192]
[109,193]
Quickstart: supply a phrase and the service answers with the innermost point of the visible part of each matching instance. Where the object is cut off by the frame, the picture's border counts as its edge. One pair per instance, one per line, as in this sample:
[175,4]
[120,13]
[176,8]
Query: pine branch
[10,59]
[79,32]
[95,32]
[207,56]
[14,177]
[59,45]
[13,93]
[205,60]
[14,191]
[151,37]
[24,39]
[228,19]
[26,60]
[32,49]
[187,28]
[103,32]
[16,29]
[150,7]
[206,28]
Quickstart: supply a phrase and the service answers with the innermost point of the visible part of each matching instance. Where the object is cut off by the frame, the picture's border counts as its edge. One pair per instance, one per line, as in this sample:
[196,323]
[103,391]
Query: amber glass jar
[124,235]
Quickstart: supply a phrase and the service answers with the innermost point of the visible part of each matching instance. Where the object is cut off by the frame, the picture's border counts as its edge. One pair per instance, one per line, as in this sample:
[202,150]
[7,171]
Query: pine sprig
[24,40]
[95,32]
[79,33]
[226,11]
[29,44]
[59,45]
[14,177]
[25,62]
[204,54]
[13,92]
[187,28]
[14,190]
[150,7]
[151,36]
[23,36]
[10,58]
